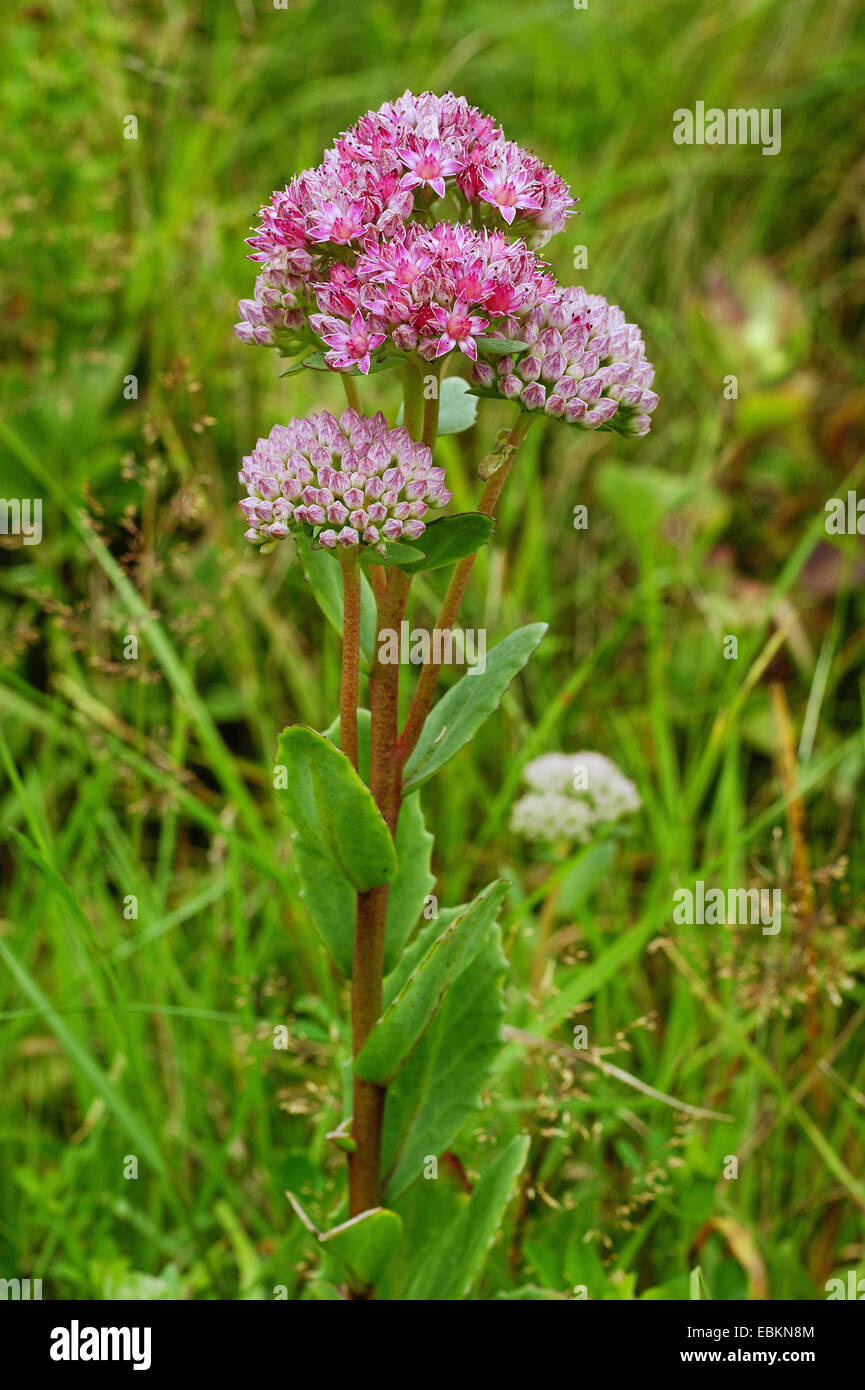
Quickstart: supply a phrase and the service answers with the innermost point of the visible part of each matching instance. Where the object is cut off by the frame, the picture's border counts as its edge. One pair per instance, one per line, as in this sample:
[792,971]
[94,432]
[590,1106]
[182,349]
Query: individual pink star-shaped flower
[508,192]
[337,224]
[473,283]
[428,165]
[350,345]
[459,329]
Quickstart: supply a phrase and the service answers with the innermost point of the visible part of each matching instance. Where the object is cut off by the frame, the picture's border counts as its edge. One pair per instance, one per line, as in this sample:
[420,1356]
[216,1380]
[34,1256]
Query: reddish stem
[350,654]
[364,1165]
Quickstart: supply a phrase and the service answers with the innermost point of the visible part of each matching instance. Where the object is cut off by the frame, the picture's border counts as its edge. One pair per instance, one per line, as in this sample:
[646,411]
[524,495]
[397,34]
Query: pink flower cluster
[582,364]
[414,163]
[428,290]
[352,481]
[436,138]
[368,182]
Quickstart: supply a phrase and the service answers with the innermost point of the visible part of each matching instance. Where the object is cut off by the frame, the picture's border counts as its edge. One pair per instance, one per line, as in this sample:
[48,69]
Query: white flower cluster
[570,795]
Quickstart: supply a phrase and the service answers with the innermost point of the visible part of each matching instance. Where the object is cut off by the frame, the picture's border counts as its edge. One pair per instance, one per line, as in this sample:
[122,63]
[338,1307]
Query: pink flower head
[349,346]
[427,164]
[348,481]
[336,230]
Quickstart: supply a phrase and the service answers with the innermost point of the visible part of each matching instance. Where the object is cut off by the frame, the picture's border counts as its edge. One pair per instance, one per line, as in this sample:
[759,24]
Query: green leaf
[330,901]
[324,576]
[317,362]
[488,393]
[331,809]
[450,538]
[427,1209]
[396,1035]
[411,883]
[500,347]
[456,1261]
[442,1082]
[417,949]
[328,896]
[460,713]
[332,734]
[366,1244]
[298,367]
[395,553]
[457,409]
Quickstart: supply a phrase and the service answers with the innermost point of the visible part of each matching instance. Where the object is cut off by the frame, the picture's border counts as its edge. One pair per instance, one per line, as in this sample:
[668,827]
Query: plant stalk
[350,654]
[412,396]
[351,394]
[364,1165]
[429,433]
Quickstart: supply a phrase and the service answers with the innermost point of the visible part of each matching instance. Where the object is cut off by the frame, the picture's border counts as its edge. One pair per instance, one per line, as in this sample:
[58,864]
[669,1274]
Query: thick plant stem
[385,781]
[423,696]
[429,433]
[377,581]
[350,391]
[350,654]
[364,1164]
[412,396]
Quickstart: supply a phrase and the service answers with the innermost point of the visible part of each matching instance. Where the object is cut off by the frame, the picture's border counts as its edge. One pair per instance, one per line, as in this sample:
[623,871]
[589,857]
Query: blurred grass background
[152,1036]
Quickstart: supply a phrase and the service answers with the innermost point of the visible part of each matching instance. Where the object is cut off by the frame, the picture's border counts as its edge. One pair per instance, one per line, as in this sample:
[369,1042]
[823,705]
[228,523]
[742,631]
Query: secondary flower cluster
[571,794]
[583,364]
[406,168]
[352,480]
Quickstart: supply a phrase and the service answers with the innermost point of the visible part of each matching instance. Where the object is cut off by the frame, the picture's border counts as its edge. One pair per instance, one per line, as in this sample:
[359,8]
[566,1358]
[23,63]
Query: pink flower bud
[533,396]
[510,386]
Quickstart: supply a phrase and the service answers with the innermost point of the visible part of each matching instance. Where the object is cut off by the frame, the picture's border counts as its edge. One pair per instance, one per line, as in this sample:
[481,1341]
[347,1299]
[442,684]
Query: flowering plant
[413,247]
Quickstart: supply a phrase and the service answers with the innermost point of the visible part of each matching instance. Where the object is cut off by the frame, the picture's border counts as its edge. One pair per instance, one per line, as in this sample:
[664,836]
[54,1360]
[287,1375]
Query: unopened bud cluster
[348,481]
[582,364]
